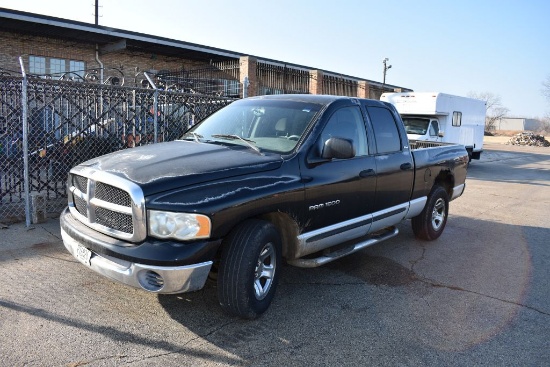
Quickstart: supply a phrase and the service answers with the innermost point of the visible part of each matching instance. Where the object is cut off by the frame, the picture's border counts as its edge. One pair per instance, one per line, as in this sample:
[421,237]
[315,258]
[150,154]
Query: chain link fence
[69,122]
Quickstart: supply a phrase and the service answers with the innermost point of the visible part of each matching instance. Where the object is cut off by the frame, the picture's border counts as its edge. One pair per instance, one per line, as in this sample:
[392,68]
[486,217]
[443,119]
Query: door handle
[367,173]
[406,166]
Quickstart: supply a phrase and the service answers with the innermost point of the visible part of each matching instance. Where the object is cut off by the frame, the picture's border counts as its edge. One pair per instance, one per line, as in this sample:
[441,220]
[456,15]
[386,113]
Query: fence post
[155,113]
[24,116]
[155,105]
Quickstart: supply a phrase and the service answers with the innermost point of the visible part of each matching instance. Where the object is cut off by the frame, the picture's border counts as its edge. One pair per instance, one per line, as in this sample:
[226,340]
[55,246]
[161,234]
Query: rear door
[394,166]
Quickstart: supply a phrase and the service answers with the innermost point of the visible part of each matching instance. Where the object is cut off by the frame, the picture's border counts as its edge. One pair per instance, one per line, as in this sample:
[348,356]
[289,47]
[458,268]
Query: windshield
[270,125]
[417,126]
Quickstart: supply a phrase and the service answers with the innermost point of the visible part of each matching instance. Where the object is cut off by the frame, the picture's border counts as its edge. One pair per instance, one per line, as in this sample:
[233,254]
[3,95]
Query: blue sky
[496,46]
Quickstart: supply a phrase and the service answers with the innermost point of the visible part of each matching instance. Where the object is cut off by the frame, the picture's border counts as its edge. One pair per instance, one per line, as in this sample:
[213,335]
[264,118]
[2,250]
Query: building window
[55,67]
[37,65]
[77,67]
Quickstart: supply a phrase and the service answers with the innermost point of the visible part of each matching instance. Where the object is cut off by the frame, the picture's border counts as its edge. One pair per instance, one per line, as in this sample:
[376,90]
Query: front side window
[347,123]
[457,118]
[385,130]
[434,128]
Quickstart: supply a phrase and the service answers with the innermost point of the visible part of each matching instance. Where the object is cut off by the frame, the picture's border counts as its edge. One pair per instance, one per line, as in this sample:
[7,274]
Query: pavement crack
[184,347]
[414,262]
[460,289]
[324,284]
[52,233]
[85,363]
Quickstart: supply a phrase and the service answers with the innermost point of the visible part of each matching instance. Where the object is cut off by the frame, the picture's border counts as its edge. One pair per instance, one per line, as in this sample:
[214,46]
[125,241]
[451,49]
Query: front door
[341,190]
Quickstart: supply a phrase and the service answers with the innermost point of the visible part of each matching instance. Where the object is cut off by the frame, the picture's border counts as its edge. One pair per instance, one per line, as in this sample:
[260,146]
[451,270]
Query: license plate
[83,254]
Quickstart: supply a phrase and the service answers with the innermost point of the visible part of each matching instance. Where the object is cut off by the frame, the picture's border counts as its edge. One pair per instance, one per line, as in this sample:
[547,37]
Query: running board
[329,257]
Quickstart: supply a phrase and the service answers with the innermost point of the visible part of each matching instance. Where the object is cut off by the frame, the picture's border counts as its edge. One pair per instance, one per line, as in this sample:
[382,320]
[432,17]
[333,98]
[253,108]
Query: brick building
[65,49]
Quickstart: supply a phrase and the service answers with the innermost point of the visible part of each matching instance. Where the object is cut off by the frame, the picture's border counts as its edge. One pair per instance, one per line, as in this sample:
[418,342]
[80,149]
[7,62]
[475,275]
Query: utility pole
[96,12]
[386,67]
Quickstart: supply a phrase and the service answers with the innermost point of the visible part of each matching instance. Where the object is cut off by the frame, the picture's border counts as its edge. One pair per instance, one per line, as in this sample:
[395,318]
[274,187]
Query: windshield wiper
[194,135]
[248,142]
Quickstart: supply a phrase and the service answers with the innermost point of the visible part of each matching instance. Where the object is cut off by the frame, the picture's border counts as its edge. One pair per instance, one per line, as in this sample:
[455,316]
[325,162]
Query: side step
[331,256]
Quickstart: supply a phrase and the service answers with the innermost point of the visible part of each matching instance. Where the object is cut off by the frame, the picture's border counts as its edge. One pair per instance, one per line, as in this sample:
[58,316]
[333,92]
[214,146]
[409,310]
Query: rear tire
[249,269]
[430,223]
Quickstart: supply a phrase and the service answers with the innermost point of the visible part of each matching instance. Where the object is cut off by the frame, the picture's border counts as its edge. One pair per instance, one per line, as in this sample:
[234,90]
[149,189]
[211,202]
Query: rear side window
[457,118]
[385,130]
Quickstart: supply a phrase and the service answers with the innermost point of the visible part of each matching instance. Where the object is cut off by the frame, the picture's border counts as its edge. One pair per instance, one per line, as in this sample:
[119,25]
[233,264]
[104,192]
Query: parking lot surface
[478,295]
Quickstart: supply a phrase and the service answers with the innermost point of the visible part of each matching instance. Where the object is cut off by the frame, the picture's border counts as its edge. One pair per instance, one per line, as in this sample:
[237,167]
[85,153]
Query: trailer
[440,117]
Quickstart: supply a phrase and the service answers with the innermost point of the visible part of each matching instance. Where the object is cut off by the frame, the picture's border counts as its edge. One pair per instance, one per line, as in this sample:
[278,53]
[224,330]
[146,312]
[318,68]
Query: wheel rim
[438,214]
[265,271]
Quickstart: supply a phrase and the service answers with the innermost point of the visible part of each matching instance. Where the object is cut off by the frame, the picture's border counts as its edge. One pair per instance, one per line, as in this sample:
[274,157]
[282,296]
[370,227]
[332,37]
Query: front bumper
[173,278]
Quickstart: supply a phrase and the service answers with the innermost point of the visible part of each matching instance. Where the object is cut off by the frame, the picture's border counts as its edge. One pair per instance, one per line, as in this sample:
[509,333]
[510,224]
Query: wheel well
[446,180]
[288,229]
[286,226]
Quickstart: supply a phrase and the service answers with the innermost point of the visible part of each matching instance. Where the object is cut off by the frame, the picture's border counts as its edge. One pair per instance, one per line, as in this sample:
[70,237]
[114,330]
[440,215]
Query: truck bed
[420,144]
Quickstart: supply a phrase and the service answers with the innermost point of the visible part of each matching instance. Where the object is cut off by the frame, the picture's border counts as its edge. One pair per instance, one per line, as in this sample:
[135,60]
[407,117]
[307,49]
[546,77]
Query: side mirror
[441,134]
[338,148]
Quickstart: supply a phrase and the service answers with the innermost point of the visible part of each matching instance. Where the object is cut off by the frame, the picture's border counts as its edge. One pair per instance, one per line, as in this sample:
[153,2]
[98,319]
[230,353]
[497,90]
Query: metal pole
[96,12]
[155,109]
[386,67]
[150,80]
[24,118]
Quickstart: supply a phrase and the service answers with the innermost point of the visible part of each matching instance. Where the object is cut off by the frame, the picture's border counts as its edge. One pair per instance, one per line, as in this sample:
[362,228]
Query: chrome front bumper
[158,279]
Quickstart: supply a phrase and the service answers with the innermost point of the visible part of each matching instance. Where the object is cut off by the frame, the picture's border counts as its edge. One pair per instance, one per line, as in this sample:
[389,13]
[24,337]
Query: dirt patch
[496,139]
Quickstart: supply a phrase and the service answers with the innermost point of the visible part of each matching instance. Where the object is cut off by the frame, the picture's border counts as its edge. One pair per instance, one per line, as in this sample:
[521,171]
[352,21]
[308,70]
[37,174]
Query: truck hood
[166,166]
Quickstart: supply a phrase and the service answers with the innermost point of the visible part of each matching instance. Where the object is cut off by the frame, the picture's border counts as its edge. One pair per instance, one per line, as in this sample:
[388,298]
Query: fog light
[151,280]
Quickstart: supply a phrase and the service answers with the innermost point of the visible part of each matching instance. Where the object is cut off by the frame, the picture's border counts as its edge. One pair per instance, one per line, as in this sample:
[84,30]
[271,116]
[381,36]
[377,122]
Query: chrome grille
[116,208]
[118,221]
[81,183]
[112,194]
[80,205]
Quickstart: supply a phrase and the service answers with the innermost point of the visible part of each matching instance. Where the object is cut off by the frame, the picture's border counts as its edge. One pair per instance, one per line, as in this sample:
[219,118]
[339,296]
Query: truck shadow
[402,281]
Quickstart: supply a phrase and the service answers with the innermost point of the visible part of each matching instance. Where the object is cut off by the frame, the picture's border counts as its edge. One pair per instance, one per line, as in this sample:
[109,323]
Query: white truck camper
[440,117]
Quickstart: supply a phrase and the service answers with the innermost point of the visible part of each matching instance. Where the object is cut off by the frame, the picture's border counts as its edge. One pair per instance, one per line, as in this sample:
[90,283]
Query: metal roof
[43,25]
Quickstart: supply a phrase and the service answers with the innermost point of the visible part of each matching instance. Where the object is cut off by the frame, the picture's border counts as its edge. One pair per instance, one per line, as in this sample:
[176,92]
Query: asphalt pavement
[477,296]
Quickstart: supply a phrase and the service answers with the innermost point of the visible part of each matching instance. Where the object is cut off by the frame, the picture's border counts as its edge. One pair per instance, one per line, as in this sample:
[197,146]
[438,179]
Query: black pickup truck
[303,178]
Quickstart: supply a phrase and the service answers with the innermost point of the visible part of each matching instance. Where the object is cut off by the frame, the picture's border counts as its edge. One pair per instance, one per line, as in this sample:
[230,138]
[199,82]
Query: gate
[48,126]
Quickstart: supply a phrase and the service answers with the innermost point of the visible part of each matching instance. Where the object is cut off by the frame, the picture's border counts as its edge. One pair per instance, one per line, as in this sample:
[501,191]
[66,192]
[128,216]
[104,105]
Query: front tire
[430,223]
[249,269]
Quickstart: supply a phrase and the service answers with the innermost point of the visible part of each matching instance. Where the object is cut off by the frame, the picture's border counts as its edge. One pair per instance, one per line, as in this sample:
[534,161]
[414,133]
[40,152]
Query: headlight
[180,226]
